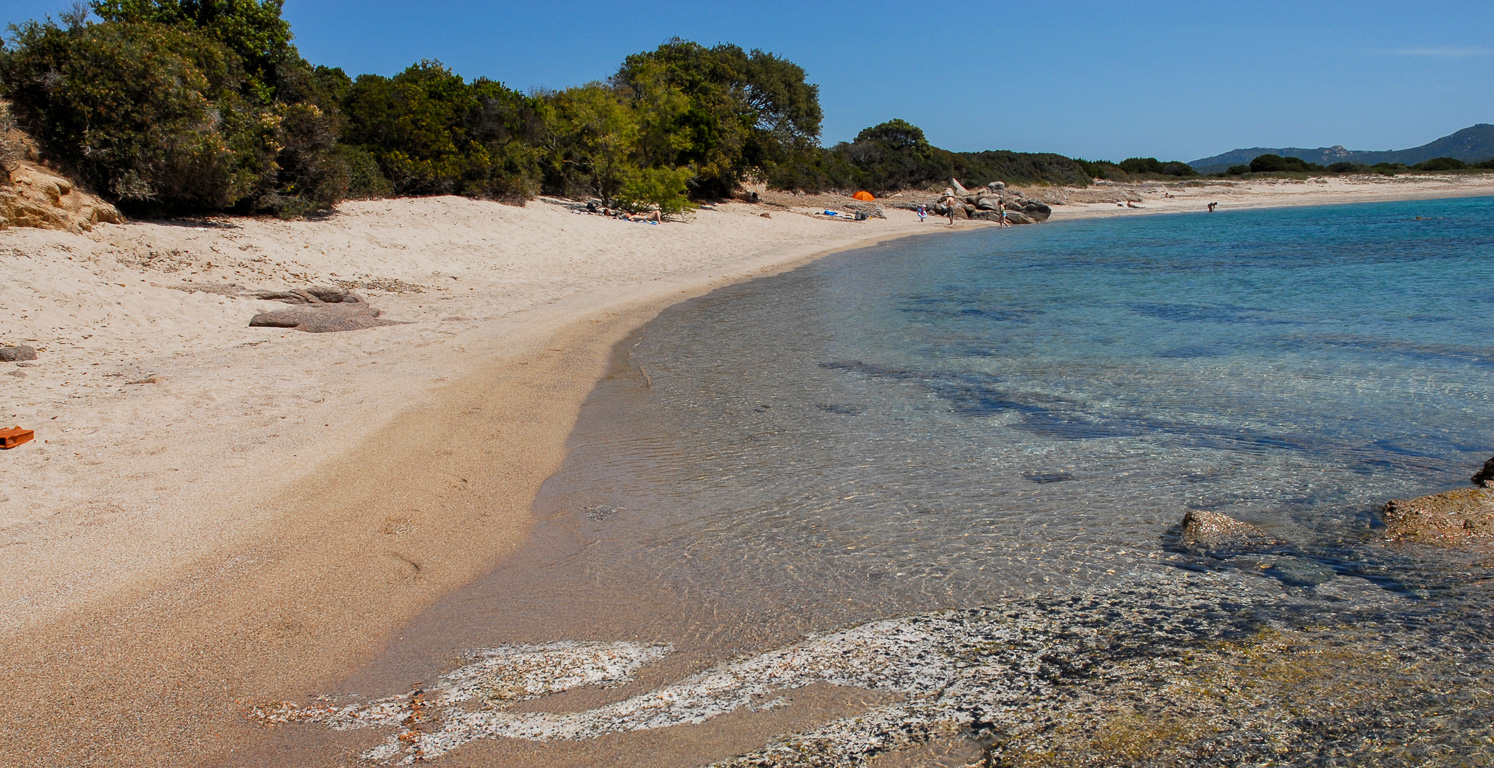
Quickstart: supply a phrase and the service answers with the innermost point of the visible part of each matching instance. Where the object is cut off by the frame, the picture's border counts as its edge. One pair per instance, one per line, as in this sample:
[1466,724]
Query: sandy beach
[214,515]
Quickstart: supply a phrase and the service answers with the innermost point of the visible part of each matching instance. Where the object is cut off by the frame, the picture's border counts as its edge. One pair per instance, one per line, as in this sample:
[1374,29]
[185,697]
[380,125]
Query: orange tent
[863,195]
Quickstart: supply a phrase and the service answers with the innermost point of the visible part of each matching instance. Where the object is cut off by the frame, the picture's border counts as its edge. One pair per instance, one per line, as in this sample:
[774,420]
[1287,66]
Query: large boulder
[1445,519]
[1032,209]
[319,310]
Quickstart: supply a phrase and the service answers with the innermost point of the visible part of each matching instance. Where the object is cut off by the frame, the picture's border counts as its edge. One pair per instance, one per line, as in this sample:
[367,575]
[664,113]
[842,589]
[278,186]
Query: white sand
[1194,196]
[127,480]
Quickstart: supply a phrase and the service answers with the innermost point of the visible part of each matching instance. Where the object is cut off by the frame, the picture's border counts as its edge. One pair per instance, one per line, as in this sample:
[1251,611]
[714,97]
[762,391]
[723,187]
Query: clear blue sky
[1099,80]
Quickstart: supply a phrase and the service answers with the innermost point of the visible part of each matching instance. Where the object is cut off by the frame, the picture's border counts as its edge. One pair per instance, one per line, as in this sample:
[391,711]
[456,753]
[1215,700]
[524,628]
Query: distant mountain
[1472,145]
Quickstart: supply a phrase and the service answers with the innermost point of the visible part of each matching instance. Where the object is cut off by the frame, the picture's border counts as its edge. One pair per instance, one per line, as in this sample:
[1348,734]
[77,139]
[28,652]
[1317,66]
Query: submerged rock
[1218,534]
[1299,572]
[1446,519]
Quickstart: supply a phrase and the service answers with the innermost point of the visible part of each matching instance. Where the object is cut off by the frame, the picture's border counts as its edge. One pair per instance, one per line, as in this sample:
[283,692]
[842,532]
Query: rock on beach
[319,310]
[17,353]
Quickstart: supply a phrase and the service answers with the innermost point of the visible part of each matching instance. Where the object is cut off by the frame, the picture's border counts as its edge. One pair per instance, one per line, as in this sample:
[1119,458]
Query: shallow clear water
[1018,419]
[940,421]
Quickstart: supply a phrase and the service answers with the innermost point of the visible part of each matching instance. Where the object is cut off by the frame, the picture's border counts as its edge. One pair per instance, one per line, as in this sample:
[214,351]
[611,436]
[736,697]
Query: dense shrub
[1277,164]
[1343,167]
[1441,164]
[896,155]
[1102,169]
[662,188]
[162,117]
[1139,165]
[144,113]
[1181,170]
[431,133]
[365,180]
[979,168]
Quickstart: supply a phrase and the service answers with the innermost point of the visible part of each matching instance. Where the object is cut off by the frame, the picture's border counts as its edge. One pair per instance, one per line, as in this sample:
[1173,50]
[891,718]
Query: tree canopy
[722,111]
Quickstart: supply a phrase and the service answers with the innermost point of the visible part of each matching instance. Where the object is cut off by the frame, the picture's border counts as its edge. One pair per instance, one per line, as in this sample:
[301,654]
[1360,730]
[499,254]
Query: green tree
[729,112]
[146,114]
[1140,165]
[252,29]
[590,142]
[896,134]
[432,133]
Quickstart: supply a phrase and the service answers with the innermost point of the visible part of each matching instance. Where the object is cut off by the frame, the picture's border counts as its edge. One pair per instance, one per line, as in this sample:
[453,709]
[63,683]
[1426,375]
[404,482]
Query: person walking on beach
[1001,211]
[949,208]
[922,212]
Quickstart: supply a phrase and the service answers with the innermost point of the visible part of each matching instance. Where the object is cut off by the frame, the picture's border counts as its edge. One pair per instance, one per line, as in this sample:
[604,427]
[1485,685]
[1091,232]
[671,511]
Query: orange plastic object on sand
[10,438]
[864,195]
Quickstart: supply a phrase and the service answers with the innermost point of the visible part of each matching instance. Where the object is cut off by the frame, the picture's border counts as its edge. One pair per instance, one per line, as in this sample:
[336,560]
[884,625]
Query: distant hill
[1472,145]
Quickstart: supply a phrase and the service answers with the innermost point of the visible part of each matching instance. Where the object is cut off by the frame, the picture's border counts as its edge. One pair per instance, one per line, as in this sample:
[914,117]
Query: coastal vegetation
[1278,164]
[199,106]
[193,106]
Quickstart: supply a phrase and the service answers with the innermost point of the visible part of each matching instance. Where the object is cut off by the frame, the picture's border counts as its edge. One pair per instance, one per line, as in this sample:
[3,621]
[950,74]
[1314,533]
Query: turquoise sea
[1022,417]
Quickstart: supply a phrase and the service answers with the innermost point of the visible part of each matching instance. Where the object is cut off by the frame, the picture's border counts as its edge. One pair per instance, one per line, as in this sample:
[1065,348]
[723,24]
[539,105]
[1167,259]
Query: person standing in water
[1211,207]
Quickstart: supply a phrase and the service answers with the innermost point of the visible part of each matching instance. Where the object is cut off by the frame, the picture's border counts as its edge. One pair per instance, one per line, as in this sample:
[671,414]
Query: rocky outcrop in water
[1485,477]
[1447,519]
